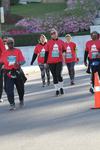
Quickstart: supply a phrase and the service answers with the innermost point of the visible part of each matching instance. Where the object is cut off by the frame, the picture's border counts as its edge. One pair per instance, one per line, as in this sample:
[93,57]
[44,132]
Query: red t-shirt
[40,51]
[9,57]
[55,49]
[2,47]
[93,47]
[70,52]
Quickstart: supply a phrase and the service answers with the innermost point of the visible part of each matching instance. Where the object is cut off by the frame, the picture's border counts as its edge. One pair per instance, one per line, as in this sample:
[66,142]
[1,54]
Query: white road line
[50,90]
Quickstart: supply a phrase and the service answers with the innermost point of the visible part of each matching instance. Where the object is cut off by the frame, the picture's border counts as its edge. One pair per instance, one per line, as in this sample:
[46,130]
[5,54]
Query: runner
[70,57]
[12,60]
[54,57]
[93,51]
[40,53]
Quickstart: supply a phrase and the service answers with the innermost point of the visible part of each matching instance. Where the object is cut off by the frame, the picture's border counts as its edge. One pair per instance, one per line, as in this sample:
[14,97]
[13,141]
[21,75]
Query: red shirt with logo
[70,52]
[40,51]
[9,57]
[55,50]
[93,48]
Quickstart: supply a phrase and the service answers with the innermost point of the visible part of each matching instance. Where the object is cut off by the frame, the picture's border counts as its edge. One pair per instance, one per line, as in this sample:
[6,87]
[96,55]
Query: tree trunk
[6,5]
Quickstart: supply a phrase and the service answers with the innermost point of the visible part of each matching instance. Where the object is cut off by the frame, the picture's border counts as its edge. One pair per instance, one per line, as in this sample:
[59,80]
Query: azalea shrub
[78,17]
[63,24]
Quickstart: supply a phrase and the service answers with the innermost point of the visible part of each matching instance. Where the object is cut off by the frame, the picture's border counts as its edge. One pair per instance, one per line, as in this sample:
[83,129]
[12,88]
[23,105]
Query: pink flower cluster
[32,25]
[62,24]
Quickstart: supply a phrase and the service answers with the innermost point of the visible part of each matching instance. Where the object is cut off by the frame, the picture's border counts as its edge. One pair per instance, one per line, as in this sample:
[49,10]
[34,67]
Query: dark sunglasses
[5,41]
[10,43]
[52,33]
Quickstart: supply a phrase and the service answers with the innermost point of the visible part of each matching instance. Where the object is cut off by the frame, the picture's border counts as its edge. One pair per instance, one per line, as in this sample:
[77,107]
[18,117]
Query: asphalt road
[52,123]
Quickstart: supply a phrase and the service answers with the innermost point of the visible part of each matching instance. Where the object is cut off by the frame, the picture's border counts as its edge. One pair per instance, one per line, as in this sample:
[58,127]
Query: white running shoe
[12,108]
[1,100]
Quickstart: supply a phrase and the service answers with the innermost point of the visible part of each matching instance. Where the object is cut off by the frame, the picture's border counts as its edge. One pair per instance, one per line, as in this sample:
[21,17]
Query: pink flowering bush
[31,25]
[78,16]
[63,24]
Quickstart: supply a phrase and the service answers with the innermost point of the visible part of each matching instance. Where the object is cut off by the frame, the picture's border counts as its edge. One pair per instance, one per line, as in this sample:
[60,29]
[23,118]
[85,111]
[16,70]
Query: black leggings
[71,70]
[56,70]
[9,88]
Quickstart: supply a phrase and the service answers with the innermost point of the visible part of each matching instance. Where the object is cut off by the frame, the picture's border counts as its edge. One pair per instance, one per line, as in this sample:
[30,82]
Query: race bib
[68,52]
[11,60]
[94,55]
[69,55]
[55,53]
[42,54]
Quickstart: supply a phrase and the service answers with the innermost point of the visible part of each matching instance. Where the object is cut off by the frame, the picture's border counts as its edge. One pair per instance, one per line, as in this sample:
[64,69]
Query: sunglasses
[4,41]
[10,43]
[52,33]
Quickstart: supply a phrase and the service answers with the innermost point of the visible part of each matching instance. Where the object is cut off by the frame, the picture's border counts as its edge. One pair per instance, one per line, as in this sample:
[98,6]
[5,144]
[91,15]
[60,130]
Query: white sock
[56,87]
[60,85]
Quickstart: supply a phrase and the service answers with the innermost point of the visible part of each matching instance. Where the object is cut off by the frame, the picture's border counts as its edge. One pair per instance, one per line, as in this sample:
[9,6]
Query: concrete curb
[30,70]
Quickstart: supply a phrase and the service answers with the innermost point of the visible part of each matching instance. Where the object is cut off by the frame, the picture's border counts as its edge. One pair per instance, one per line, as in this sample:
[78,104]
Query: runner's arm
[33,58]
[64,55]
[46,57]
[85,57]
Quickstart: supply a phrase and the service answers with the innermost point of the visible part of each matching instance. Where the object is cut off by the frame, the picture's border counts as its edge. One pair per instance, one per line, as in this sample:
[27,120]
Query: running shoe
[57,93]
[21,104]
[72,83]
[1,100]
[12,107]
[61,91]
[91,90]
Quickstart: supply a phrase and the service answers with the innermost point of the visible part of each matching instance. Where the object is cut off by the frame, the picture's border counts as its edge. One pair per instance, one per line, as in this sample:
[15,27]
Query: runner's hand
[77,60]
[85,63]
[98,56]
[45,65]
[16,65]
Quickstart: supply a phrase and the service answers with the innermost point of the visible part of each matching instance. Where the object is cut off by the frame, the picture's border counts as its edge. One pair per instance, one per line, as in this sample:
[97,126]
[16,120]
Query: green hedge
[32,39]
